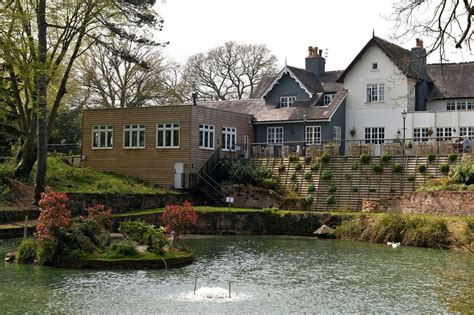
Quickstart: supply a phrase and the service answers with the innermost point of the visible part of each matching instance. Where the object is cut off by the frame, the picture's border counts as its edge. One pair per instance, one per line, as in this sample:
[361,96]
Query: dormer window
[375,66]
[286,101]
[327,99]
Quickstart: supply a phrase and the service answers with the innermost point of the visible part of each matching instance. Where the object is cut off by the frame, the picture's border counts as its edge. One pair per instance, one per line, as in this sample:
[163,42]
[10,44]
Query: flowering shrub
[179,218]
[101,215]
[54,214]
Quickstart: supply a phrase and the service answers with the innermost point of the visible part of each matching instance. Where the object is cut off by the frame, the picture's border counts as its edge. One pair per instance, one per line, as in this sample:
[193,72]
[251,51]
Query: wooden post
[229,290]
[195,285]
[25,227]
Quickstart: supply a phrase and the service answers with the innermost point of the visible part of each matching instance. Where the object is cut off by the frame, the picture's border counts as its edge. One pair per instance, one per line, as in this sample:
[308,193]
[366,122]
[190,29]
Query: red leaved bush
[54,213]
[179,218]
[101,215]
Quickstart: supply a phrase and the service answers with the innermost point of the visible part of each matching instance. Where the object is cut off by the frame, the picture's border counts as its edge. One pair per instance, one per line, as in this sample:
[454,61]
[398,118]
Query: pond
[271,274]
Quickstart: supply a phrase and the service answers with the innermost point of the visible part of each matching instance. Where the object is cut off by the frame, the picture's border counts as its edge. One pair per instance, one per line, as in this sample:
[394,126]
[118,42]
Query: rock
[10,257]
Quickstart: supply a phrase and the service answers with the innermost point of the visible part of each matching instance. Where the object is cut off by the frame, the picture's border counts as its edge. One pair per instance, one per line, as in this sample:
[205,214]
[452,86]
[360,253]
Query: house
[385,80]
[297,109]
[165,145]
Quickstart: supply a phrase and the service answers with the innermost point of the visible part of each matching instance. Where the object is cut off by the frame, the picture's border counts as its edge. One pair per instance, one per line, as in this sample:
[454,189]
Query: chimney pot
[320,53]
[310,51]
[419,43]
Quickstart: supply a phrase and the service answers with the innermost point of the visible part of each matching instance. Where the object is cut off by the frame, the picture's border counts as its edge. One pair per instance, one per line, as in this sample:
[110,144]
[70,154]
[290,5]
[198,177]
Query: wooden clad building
[162,144]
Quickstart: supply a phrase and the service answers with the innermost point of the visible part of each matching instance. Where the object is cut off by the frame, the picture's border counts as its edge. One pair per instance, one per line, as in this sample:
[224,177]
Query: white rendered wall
[399,95]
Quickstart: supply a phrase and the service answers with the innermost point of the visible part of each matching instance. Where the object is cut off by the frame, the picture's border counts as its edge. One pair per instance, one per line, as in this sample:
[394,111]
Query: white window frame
[229,138]
[327,99]
[420,134]
[162,129]
[286,101]
[313,134]
[375,66]
[466,131]
[375,135]
[275,135]
[375,93]
[137,130]
[460,104]
[207,133]
[337,134]
[105,130]
[444,133]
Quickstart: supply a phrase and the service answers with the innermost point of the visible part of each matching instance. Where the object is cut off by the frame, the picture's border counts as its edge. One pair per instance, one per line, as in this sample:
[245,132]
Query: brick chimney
[418,57]
[315,61]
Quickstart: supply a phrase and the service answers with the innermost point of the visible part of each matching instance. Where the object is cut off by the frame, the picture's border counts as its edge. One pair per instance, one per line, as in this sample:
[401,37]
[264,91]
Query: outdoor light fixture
[304,133]
[404,116]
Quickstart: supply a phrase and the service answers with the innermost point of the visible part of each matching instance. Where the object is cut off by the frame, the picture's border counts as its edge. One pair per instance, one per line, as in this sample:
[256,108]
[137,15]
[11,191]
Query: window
[102,137]
[229,134]
[327,99]
[375,66]
[466,131]
[443,133]
[134,136]
[420,134]
[465,104]
[375,92]
[167,135]
[206,137]
[313,134]
[375,135]
[286,101]
[275,135]
[337,134]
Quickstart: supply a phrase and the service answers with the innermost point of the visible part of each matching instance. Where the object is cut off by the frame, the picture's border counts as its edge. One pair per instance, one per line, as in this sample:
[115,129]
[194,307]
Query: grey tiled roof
[262,86]
[329,81]
[308,79]
[400,56]
[269,113]
[452,80]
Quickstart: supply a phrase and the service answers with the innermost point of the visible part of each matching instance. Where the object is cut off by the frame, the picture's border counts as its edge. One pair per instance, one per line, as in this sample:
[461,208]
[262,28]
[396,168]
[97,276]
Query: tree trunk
[41,88]
[28,158]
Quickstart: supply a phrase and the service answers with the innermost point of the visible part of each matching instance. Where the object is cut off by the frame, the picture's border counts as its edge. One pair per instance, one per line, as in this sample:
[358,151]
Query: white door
[178,175]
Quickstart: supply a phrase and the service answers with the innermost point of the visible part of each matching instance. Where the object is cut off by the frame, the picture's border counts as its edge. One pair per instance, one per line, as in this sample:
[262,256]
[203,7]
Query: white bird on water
[393,244]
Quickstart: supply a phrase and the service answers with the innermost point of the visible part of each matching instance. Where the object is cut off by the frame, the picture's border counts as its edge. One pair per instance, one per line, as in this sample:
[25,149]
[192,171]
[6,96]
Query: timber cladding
[152,164]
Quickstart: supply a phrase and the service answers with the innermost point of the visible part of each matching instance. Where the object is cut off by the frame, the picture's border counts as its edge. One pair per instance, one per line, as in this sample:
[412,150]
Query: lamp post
[404,116]
[304,134]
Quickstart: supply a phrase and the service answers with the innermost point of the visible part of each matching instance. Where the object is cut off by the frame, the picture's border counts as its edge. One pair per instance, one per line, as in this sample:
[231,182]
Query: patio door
[375,136]
[178,175]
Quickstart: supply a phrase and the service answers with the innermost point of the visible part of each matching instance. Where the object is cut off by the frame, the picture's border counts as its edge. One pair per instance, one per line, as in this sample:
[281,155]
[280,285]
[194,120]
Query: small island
[87,242]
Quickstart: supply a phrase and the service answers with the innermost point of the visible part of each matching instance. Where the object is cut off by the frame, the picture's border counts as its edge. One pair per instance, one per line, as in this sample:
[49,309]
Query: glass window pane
[168,138]
[176,138]
[160,138]
[142,138]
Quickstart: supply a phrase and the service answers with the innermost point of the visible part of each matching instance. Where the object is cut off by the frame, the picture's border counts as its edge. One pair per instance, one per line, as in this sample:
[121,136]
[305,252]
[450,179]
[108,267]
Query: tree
[447,22]
[40,43]
[110,81]
[231,71]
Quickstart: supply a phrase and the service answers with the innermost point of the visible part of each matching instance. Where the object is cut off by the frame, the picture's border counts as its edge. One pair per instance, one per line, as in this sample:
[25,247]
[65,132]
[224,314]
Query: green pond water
[268,274]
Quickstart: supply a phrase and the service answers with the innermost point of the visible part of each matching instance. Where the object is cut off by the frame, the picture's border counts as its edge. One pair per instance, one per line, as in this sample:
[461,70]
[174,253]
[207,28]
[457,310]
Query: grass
[107,256]
[64,178]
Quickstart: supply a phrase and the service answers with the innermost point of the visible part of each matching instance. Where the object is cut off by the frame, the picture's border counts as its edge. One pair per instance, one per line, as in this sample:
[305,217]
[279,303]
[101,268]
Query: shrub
[348,176]
[411,178]
[6,194]
[355,189]
[296,187]
[27,251]
[54,214]
[309,200]
[146,234]
[311,188]
[331,200]
[270,183]
[350,229]
[293,177]
[308,175]
[326,175]
[430,157]
[452,157]
[421,168]
[47,250]
[124,248]
[179,218]
[397,168]
[326,157]
[101,214]
[332,188]
[444,168]
[243,172]
[315,166]
[282,169]
[365,158]
[372,190]
[294,159]
[377,169]
[463,173]
[307,160]
[355,165]
[298,166]
[385,157]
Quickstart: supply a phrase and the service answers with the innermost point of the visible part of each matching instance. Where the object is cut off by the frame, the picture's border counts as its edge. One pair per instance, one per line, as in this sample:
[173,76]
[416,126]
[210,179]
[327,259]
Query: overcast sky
[342,27]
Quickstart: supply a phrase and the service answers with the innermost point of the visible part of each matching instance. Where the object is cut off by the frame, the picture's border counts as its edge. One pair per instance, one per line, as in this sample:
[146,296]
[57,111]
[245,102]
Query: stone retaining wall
[436,202]
[123,202]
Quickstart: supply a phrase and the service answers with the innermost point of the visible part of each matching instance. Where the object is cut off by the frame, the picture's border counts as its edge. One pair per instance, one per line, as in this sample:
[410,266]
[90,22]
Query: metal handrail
[210,185]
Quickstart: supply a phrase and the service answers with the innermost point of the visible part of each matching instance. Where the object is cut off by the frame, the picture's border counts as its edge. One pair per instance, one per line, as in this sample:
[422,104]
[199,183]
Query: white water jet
[212,294]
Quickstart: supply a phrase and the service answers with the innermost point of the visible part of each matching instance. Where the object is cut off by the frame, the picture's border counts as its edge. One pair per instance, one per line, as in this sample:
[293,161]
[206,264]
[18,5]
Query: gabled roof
[264,113]
[262,86]
[306,80]
[451,80]
[329,81]
[401,57]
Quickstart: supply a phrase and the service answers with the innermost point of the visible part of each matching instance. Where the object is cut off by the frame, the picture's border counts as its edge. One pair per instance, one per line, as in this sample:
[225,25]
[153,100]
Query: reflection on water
[268,274]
